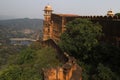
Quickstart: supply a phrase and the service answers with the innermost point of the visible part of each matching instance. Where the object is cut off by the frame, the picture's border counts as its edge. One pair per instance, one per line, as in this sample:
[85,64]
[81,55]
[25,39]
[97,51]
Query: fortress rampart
[55,25]
[110,26]
[101,17]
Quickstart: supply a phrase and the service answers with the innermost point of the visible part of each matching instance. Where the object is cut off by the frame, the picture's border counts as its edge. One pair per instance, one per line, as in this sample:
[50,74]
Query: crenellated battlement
[101,17]
[89,17]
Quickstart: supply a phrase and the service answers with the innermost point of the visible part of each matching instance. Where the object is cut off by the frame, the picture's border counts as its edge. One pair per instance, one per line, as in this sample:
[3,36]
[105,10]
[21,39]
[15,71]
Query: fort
[54,25]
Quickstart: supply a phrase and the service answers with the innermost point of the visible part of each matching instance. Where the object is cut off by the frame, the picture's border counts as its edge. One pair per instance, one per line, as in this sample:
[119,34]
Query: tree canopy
[80,36]
[28,63]
[117,14]
[99,60]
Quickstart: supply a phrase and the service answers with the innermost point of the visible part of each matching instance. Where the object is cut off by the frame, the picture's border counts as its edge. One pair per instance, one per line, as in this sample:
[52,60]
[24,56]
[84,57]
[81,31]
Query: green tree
[99,61]
[104,73]
[80,36]
[117,14]
[11,73]
[29,63]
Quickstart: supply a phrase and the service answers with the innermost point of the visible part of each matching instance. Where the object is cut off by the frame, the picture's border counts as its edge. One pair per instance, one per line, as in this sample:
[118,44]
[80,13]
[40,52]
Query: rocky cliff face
[69,71]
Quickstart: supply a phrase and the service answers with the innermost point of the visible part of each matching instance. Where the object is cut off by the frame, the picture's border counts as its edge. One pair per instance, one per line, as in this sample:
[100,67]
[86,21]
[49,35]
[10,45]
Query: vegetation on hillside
[99,61]
[28,63]
[6,52]
[20,62]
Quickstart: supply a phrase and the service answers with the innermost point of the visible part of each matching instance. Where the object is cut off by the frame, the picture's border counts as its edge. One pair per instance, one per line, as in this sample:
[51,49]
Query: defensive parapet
[101,17]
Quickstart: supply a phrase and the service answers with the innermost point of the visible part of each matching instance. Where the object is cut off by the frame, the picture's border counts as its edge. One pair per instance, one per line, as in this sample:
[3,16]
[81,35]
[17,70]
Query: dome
[110,13]
[48,7]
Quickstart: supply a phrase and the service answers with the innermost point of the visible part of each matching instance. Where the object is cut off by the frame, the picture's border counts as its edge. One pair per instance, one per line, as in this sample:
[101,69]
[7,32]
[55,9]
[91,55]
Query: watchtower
[110,13]
[47,17]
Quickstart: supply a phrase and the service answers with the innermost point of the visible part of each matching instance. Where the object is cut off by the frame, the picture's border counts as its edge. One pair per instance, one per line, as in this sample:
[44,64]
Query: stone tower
[110,13]
[47,22]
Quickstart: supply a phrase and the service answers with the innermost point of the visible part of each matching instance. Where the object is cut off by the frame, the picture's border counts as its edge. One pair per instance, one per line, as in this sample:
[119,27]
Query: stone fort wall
[54,25]
[110,26]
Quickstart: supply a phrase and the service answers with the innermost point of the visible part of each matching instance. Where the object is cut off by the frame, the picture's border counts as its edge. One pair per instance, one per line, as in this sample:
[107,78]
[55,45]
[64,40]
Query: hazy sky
[34,8]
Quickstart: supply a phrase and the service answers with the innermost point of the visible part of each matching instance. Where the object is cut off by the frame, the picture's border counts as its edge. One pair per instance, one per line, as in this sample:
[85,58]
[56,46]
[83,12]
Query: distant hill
[6,17]
[29,28]
[23,23]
